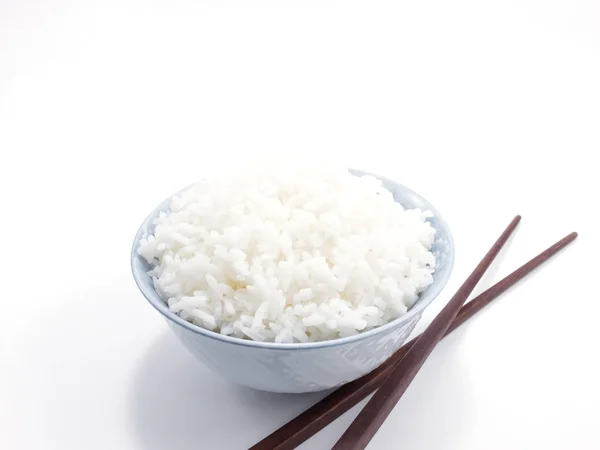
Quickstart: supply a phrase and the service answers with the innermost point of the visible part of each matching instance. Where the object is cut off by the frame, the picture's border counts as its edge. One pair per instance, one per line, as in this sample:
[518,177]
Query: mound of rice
[290,255]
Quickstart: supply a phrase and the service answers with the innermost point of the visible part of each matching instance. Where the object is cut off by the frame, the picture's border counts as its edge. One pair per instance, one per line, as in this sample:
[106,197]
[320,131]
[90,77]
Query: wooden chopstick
[363,428]
[341,400]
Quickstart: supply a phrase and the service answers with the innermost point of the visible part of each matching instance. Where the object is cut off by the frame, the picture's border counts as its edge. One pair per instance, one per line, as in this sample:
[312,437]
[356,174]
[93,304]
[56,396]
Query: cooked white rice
[290,255]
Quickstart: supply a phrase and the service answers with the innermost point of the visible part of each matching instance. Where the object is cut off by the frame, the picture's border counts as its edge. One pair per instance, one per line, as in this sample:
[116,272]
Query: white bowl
[301,367]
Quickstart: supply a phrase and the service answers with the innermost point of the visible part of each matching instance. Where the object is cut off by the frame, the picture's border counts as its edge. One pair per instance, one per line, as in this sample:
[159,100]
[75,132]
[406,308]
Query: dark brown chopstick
[372,416]
[341,400]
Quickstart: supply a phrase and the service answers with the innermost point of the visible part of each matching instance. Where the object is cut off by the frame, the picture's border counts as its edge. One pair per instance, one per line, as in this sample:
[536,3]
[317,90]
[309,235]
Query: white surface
[499,101]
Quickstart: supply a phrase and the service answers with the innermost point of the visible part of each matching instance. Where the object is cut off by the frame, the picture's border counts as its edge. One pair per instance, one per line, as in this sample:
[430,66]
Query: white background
[488,109]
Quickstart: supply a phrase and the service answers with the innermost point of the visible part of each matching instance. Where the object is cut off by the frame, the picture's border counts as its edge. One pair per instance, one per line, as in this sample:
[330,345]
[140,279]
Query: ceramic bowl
[301,367]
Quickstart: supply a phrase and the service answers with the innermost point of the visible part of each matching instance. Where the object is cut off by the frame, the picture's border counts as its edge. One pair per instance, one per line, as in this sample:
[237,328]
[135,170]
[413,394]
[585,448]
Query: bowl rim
[422,302]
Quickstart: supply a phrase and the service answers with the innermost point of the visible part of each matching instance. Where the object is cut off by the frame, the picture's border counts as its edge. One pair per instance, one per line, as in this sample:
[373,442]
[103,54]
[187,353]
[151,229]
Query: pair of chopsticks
[393,377]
